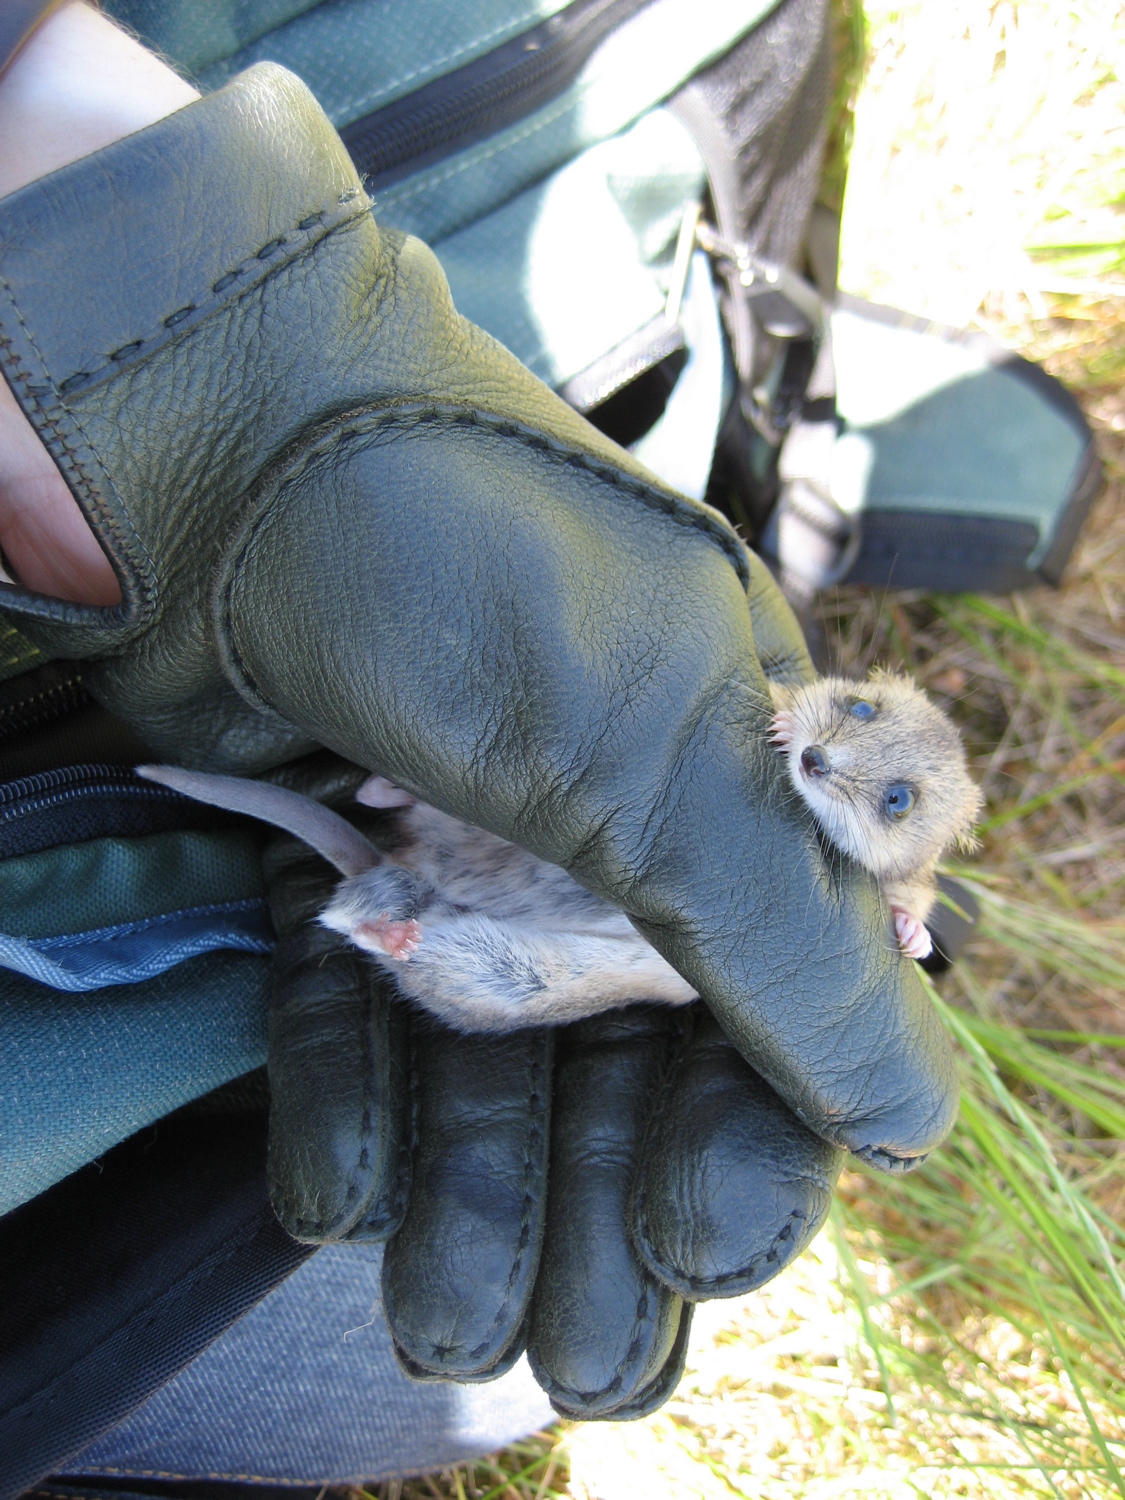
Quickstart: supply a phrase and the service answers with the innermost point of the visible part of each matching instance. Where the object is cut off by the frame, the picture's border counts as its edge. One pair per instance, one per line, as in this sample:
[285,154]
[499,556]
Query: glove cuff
[113,259]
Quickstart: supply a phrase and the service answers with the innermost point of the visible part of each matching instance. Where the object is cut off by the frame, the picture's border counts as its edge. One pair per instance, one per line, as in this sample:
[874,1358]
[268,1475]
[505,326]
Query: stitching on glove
[52,425]
[643,1318]
[666,502]
[311,230]
[678,1278]
[393,1209]
[532,1177]
[286,1204]
[887,1161]
[675,1277]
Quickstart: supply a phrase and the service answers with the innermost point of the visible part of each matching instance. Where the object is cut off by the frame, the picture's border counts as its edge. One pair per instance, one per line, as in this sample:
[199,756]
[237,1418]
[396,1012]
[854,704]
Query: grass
[536,1469]
[961,1331]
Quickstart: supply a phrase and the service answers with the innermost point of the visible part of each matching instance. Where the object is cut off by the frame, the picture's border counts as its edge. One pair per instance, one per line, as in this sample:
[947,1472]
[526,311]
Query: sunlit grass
[986,166]
[957,1332]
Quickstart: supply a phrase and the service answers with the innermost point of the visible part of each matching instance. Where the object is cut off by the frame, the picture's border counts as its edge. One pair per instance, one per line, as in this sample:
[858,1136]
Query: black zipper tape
[486,95]
[77,803]
[40,697]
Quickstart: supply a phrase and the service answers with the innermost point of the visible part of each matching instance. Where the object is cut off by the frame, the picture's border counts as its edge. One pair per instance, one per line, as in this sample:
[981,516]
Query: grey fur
[906,740]
[490,938]
[508,940]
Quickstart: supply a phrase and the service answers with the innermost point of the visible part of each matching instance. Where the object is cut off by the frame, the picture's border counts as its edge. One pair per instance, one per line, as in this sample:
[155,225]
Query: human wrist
[78,84]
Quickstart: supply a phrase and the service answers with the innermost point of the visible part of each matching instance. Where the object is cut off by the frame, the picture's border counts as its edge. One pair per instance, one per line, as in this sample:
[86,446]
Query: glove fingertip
[640,1403]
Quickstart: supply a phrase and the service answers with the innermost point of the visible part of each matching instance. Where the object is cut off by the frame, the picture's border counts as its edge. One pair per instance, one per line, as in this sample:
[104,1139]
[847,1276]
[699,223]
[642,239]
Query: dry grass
[537,1469]
[961,1332]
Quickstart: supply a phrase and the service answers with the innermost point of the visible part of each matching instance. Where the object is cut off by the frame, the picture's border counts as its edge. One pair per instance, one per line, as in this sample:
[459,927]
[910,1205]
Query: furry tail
[323,830]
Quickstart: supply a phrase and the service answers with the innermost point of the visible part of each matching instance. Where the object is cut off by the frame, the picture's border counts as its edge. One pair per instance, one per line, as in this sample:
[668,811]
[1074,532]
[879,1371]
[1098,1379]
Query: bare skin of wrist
[79,84]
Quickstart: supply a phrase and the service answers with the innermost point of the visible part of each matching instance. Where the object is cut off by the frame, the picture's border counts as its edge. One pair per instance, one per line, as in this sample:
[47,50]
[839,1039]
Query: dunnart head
[881,768]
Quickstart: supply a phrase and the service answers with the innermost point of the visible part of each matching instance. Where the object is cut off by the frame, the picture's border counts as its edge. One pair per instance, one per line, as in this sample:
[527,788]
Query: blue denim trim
[305,1389]
[130,952]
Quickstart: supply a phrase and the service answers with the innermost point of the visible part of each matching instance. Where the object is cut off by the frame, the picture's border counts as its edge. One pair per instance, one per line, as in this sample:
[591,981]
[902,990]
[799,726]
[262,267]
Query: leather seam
[641,1318]
[677,1278]
[191,314]
[130,544]
[886,1161]
[390,1206]
[666,502]
[285,1204]
[404,1156]
[533,1138]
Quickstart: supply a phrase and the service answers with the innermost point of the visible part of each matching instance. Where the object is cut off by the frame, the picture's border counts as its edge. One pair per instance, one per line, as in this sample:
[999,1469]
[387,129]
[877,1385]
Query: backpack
[623,193]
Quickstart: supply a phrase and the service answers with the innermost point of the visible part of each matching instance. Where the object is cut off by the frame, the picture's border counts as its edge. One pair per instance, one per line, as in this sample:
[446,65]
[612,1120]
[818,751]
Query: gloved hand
[341,515]
[575,1191]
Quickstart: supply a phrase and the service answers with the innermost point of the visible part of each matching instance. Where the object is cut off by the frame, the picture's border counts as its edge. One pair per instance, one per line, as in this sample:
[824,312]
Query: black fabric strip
[118,1276]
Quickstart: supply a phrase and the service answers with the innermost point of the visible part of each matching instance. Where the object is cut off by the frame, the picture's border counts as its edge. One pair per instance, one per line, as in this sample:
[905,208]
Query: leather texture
[343,516]
[339,1150]
[458,1277]
[606,1334]
[758,1181]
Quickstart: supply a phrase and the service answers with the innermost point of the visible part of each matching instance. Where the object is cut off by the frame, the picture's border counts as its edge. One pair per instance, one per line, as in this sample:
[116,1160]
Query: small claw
[781,730]
[913,935]
[396,939]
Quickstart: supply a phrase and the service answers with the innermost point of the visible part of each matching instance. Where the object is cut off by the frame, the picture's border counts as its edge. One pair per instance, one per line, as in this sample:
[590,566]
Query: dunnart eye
[859,708]
[899,800]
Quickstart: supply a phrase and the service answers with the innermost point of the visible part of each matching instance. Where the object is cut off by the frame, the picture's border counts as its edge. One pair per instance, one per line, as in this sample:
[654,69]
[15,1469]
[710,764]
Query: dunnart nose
[814,762]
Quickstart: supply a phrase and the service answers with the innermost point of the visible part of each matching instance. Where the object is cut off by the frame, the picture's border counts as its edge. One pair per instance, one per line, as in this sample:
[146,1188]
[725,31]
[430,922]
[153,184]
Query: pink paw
[395,939]
[781,730]
[377,791]
[912,934]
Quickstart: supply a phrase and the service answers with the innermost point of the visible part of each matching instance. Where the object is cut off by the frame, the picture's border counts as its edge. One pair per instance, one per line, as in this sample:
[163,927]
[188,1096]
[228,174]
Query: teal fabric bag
[134,965]
[947,464]
[553,154]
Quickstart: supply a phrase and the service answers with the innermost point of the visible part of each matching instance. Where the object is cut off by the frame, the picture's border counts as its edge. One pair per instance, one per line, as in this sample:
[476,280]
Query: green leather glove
[341,515]
[576,1195]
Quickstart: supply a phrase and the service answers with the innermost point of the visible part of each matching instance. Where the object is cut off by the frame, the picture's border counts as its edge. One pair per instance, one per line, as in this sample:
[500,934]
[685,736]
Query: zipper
[484,96]
[77,803]
[48,788]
